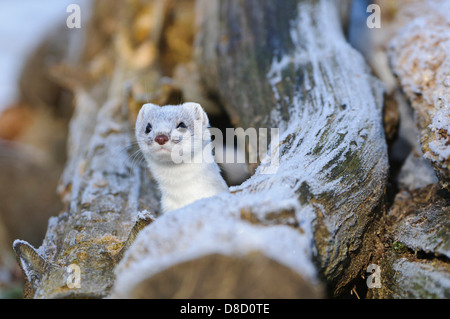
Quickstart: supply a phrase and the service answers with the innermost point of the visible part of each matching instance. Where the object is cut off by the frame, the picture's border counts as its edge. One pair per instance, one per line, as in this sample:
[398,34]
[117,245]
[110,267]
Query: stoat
[176,144]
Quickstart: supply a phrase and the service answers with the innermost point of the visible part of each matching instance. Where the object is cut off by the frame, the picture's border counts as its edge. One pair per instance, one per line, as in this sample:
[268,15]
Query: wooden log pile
[310,218]
[415,260]
[272,66]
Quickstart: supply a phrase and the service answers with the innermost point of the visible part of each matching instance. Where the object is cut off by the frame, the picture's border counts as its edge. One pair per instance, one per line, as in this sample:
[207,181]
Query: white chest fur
[182,184]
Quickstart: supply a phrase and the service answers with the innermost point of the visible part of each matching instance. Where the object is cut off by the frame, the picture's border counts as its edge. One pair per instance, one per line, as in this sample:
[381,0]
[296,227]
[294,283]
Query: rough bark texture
[284,65]
[103,199]
[414,259]
[420,58]
[102,188]
[307,215]
[304,89]
[416,263]
[309,220]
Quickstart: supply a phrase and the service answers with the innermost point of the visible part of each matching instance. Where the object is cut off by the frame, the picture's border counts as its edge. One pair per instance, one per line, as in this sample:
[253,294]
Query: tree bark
[308,224]
[420,59]
[285,65]
[415,259]
[102,188]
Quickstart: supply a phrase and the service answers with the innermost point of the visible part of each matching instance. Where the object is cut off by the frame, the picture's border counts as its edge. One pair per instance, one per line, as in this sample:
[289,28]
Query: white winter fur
[194,175]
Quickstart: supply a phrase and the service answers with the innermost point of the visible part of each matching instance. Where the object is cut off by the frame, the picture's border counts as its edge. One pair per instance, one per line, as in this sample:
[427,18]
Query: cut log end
[219,276]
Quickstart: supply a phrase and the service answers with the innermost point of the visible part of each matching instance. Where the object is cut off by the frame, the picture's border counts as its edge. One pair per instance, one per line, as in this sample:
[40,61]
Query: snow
[23,25]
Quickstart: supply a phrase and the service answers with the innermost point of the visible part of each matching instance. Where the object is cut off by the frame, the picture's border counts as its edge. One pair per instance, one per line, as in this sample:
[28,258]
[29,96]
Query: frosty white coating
[349,109]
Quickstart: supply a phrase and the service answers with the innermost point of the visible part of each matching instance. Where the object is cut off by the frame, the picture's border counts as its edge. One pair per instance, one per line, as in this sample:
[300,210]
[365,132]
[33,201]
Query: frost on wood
[273,64]
[416,263]
[211,227]
[103,194]
[420,57]
[285,65]
[416,280]
[414,234]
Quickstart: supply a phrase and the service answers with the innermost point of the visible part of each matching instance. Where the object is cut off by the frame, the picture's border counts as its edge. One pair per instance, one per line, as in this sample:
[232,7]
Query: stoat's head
[171,133]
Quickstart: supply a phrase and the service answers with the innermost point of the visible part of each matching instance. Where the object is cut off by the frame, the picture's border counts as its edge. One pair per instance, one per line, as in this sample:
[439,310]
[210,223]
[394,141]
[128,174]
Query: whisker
[137,158]
[123,147]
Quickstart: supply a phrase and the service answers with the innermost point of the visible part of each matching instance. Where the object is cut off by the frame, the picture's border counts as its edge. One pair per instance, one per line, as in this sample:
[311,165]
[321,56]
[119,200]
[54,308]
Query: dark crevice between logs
[417,255]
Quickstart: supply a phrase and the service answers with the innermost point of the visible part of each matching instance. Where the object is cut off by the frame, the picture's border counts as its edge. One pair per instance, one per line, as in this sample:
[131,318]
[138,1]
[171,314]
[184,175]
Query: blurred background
[43,62]
[34,116]
[36,102]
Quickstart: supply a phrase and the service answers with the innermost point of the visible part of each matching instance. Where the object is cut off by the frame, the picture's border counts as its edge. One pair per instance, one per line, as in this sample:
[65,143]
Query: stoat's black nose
[161,139]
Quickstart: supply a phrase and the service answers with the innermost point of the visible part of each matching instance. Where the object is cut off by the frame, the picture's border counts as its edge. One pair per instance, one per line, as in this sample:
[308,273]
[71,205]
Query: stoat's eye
[148,128]
[181,125]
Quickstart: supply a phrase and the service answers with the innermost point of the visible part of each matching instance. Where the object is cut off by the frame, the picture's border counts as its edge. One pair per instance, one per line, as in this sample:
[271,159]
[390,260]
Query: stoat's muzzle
[161,139]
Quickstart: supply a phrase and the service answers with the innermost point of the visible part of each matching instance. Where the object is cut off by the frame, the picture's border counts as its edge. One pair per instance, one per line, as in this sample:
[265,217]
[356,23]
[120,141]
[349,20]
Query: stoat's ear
[200,114]
[146,109]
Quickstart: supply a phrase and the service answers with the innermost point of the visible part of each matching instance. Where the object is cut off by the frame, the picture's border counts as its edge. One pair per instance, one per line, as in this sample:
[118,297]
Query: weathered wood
[181,243]
[307,79]
[250,276]
[420,58]
[416,261]
[408,277]
[413,257]
[308,223]
[103,193]
[101,187]
[283,64]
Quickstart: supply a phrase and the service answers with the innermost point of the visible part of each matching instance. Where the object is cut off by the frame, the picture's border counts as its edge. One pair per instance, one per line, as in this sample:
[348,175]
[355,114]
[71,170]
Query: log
[307,216]
[284,65]
[414,260]
[420,58]
[102,200]
[105,195]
